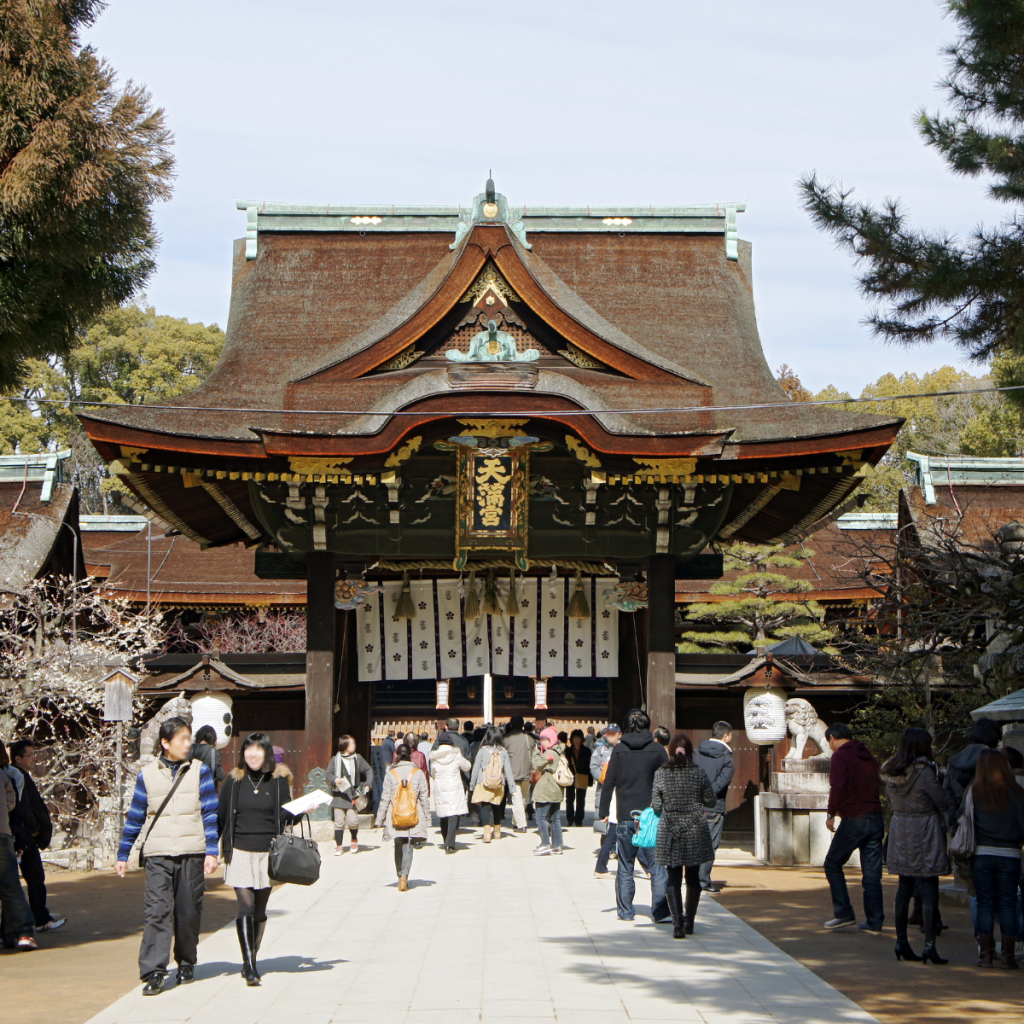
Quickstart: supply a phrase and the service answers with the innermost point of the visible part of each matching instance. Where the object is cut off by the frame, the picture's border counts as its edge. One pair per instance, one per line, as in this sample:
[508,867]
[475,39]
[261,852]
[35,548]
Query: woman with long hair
[578,756]
[680,795]
[995,867]
[404,774]
[917,837]
[491,780]
[250,815]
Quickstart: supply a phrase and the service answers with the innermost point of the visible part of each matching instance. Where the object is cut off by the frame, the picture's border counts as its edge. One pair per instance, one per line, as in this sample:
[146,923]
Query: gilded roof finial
[489,188]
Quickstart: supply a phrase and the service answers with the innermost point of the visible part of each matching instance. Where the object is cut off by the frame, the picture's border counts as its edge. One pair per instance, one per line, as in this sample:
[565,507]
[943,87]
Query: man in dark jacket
[33,832]
[630,778]
[715,757]
[987,734]
[853,797]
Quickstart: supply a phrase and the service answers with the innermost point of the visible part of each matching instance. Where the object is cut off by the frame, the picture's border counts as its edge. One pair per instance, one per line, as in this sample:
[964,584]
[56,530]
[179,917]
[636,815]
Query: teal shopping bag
[647,829]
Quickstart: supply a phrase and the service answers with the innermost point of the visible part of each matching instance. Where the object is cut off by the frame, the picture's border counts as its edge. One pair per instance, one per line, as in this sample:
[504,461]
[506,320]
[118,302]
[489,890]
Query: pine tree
[763,604]
[931,285]
[81,163]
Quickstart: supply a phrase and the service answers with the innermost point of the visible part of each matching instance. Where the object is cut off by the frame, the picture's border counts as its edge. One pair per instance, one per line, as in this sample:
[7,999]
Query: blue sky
[570,103]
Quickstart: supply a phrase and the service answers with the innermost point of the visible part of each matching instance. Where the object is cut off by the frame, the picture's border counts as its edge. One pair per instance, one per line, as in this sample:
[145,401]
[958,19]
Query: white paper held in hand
[307,802]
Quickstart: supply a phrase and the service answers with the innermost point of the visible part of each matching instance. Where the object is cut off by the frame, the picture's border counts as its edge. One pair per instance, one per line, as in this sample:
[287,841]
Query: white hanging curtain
[541,640]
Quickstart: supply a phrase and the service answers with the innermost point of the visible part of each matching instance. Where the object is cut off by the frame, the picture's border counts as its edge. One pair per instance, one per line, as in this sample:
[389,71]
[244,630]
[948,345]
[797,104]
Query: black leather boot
[930,955]
[901,911]
[692,899]
[674,898]
[261,927]
[247,944]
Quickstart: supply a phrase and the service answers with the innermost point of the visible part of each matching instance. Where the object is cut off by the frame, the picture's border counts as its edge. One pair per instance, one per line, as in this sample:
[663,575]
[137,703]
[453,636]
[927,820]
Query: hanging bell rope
[512,605]
[578,607]
[491,605]
[405,609]
[472,611]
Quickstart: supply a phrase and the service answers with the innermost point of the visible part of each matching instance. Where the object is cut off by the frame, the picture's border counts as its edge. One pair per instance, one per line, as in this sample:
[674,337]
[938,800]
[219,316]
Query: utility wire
[504,414]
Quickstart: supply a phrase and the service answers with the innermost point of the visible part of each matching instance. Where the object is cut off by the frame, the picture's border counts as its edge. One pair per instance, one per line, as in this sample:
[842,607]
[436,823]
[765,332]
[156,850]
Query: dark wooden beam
[661,648]
[321,647]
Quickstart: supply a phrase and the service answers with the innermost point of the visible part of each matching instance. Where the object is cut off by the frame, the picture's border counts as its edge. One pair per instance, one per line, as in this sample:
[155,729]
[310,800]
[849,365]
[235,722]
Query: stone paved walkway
[492,934]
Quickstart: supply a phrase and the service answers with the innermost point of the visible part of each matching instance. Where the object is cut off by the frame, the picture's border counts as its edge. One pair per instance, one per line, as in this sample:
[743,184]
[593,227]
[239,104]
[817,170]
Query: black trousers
[574,803]
[35,881]
[173,907]
[449,829]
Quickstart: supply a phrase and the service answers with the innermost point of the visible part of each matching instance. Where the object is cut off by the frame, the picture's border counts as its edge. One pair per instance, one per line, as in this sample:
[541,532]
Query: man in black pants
[33,832]
[715,757]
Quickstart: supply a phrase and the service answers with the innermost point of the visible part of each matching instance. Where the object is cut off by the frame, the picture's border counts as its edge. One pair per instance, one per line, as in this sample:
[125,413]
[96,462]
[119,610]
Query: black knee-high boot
[674,898]
[692,899]
[901,912]
[247,944]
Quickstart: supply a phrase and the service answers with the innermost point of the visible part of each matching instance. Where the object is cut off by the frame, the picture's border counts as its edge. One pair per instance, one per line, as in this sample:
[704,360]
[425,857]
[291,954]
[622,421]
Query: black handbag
[294,858]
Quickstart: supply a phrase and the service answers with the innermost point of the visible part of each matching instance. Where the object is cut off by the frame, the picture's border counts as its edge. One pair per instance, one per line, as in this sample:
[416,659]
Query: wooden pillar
[355,705]
[321,646]
[661,647]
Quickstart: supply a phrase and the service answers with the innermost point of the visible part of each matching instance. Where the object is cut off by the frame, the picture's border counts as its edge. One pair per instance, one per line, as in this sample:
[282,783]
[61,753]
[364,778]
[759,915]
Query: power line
[505,414]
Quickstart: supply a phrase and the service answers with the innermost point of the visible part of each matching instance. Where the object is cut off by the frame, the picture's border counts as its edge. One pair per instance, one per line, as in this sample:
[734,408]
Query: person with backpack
[630,779]
[17,916]
[610,737]
[490,780]
[551,777]
[205,750]
[404,810]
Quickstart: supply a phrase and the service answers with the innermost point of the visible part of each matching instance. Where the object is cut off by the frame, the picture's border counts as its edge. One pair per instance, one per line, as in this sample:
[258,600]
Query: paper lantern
[764,715]
[443,685]
[540,693]
[213,708]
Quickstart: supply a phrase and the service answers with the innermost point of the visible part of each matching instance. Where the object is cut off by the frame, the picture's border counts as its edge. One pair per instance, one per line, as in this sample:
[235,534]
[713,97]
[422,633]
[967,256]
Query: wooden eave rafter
[484,243]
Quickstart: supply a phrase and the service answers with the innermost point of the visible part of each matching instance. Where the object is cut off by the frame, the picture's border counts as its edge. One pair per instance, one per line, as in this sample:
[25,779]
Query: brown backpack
[405,812]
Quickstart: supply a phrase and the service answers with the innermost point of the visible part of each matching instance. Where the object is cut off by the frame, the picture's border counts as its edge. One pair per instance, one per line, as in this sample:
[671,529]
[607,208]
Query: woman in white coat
[403,772]
[446,768]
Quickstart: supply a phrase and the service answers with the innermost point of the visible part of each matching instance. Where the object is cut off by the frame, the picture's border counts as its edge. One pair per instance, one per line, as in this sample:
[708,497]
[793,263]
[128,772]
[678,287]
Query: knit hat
[549,737]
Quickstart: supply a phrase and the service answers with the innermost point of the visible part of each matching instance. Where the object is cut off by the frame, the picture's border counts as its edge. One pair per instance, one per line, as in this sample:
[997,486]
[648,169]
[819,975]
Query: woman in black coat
[681,792]
[578,757]
[250,815]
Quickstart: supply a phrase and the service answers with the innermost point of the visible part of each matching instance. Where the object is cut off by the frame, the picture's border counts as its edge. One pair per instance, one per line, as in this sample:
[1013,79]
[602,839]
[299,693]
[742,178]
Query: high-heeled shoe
[905,952]
[930,955]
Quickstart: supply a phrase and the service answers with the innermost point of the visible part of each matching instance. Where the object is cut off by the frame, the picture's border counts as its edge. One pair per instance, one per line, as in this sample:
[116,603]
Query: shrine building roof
[631,328]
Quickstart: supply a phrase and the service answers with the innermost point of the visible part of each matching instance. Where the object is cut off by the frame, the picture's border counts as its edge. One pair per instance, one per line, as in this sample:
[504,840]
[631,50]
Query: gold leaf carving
[584,454]
[581,359]
[490,280]
[668,467]
[407,451]
[494,428]
[133,454]
[402,360]
[314,466]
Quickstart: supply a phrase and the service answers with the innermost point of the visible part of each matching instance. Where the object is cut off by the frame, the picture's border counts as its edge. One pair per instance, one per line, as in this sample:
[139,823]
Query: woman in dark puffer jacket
[917,837]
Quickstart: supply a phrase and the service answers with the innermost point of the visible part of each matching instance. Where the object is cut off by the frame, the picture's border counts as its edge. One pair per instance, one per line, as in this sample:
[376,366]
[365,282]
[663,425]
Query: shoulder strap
[167,799]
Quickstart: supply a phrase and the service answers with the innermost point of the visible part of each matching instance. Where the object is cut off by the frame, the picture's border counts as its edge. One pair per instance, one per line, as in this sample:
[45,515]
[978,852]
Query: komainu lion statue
[803,723]
[148,739]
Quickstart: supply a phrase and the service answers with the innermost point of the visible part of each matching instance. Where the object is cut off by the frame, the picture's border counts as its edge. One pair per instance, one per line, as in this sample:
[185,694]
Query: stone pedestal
[789,825]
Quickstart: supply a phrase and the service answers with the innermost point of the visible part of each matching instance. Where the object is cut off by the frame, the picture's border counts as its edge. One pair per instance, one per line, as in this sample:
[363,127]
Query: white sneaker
[353,848]
[840,922]
[338,851]
[542,851]
[53,924]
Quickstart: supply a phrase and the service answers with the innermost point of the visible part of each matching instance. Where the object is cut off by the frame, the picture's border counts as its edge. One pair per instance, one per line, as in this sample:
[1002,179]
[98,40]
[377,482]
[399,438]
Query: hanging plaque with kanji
[493,485]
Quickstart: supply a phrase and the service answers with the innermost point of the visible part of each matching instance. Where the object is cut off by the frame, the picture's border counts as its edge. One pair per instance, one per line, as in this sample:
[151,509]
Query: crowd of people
[973,815]
[657,800]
